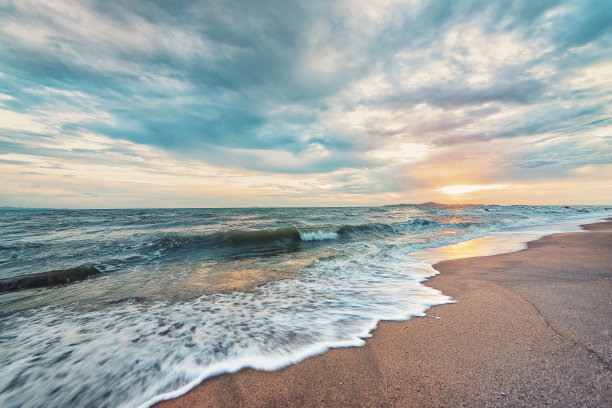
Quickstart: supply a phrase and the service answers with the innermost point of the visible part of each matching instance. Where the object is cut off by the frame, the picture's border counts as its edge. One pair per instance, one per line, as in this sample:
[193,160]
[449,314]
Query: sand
[531,328]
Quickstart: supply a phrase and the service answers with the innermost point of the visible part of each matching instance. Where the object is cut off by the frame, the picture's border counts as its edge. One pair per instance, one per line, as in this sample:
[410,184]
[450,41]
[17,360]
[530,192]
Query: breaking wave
[290,234]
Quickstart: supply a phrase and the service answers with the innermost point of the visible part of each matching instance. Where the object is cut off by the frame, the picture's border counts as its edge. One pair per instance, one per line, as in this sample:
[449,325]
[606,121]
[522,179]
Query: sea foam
[318,234]
[148,352]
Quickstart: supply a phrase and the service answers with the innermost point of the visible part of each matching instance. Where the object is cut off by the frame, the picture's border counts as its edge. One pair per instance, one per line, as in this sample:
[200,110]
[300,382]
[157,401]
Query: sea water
[112,308]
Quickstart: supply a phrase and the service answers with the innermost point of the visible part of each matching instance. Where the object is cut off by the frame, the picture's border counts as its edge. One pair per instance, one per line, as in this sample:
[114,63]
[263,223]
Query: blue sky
[239,103]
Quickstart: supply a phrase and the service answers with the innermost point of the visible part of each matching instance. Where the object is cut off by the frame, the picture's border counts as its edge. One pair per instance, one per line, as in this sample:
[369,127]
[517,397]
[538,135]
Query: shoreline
[530,328]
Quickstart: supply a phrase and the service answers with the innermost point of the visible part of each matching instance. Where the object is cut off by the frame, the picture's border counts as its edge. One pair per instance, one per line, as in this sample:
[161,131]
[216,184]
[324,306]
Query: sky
[108,104]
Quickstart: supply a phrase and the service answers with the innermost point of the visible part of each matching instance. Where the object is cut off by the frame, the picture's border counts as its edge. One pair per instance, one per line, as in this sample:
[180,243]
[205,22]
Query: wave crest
[318,233]
[289,235]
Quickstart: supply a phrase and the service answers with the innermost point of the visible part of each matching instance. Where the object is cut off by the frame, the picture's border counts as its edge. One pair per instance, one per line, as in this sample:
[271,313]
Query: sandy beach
[530,328]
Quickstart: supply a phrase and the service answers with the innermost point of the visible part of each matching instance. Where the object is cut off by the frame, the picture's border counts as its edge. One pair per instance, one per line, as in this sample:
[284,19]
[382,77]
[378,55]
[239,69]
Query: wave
[257,236]
[161,349]
[236,238]
[45,279]
[289,234]
[372,229]
[232,244]
[254,241]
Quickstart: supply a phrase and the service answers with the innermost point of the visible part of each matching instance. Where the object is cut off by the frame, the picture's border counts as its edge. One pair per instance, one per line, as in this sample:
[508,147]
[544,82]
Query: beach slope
[531,328]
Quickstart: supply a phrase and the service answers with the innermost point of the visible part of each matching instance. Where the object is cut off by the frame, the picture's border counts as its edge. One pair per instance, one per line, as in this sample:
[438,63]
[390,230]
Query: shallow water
[179,295]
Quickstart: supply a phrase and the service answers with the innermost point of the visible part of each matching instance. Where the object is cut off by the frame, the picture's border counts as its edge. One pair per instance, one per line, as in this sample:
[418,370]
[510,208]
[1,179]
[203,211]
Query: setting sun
[468,188]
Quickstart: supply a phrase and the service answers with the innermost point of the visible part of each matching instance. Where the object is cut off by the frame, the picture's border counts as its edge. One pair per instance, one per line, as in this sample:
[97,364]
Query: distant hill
[434,204]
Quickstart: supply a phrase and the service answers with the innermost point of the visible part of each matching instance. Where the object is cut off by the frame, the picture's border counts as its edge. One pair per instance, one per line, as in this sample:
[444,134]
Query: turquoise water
[124,307]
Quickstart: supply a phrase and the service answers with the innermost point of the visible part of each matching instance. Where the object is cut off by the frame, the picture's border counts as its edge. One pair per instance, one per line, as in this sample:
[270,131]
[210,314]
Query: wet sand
[531,328]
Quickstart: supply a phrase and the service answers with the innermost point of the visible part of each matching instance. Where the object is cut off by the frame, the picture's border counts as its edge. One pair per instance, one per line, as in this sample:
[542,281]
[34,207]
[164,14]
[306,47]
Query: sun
[468,188]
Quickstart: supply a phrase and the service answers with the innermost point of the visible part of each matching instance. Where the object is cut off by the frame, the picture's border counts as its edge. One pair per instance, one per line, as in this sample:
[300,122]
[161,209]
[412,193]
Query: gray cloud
[226,81]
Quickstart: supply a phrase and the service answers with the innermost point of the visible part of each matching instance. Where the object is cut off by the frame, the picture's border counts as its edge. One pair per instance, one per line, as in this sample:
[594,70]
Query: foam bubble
[136,353]
[318,235]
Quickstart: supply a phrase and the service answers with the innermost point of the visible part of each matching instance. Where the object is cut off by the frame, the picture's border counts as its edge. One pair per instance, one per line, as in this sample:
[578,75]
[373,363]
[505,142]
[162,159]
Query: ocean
[123,308]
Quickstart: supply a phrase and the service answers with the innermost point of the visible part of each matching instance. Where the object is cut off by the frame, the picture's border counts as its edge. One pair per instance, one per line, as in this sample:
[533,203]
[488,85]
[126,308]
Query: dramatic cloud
[195,103]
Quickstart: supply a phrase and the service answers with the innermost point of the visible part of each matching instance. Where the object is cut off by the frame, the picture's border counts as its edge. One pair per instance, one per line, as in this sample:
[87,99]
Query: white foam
[317,235]
[142,353]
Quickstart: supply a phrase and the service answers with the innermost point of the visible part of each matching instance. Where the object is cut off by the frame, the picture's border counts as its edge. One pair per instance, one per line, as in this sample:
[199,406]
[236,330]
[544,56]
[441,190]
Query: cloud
[378,90]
